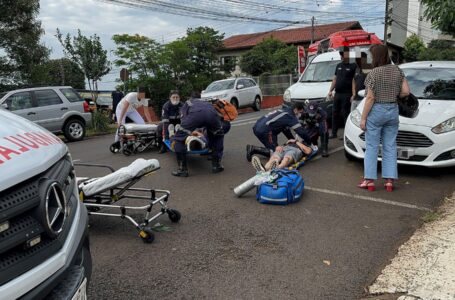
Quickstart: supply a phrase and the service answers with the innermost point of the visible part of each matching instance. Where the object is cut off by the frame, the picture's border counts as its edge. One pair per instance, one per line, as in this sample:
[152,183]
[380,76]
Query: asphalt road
[330,245]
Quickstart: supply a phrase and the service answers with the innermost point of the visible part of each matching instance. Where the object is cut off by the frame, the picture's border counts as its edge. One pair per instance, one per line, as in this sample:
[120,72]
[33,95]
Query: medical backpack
[226,109]
[286,188]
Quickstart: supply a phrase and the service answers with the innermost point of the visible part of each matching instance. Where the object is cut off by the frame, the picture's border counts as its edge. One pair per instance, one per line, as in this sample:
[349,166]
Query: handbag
[408,106]
[285,189]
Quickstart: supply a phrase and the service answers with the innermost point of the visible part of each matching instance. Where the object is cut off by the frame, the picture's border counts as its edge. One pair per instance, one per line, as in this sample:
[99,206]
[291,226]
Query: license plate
[81,293]
[402,153]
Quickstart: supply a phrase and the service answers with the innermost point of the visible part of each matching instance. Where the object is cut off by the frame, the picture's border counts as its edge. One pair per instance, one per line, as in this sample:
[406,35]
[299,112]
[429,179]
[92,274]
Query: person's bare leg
[285,162]
[269,164]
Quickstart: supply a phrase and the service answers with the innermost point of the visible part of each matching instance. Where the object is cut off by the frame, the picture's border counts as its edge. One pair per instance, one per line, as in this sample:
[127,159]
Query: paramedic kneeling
[127,108]
[198,114]
[279,121]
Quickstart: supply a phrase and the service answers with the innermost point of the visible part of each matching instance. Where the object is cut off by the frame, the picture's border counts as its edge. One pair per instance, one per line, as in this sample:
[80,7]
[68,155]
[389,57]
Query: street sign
[301,58]
[124,74]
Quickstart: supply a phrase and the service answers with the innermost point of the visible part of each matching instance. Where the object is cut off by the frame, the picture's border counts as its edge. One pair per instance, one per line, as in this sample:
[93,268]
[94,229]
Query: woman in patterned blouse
[384,84]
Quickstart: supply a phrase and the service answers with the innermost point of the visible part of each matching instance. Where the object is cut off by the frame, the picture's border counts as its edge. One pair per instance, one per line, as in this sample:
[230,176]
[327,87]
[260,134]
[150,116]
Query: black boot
[251,150]
[163,148]
[183,169]
[325,144]
[217,167]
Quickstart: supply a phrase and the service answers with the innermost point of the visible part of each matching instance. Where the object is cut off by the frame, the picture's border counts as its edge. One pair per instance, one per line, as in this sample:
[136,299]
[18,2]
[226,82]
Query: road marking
[372,199]
[243,120]
[76,160]
[245,123]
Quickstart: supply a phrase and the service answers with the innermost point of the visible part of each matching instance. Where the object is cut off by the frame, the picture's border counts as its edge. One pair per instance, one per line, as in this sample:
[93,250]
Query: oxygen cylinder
[245,187]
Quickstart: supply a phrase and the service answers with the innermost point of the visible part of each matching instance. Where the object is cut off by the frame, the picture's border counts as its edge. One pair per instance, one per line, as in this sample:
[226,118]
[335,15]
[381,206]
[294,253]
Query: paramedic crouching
[279,121]
[198,114]
[127,107]
[170,116]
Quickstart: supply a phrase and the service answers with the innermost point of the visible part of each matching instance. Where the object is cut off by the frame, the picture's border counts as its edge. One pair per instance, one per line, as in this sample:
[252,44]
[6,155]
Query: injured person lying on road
[284,156]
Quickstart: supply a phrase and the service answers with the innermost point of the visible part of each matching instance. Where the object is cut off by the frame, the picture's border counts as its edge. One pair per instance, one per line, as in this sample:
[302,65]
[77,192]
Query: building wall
[398,29]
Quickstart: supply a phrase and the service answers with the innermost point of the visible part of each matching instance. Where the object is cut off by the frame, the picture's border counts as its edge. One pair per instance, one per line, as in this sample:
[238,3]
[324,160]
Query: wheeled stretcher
[202,151]
[135,138]
[106,192]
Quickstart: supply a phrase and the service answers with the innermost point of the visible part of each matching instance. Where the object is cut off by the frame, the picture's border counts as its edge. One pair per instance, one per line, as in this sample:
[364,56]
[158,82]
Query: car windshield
[220,85]
[432,83]
[321,71]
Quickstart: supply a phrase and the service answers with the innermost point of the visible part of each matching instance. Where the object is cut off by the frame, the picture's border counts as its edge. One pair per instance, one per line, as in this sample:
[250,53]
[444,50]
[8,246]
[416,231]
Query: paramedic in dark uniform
[314,120]
[279,121]
[342,84]
[198,114]
[170,114]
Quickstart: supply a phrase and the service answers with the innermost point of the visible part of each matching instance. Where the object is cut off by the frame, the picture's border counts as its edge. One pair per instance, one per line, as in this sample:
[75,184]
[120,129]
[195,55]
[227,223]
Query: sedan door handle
[31,113]
[64,108]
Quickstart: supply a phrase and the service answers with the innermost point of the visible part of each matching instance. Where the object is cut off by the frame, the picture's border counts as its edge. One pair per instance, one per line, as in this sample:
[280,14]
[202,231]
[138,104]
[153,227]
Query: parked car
[56,108]
[429,138]
[44,245]
[241,92]
[314,84]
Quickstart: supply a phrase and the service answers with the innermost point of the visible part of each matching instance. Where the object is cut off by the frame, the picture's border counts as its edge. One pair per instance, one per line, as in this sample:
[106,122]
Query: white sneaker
[314,148]
[171,130]
[257,165]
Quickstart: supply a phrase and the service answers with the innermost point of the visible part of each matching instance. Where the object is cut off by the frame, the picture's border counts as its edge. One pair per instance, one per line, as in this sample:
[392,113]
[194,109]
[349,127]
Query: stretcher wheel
[174,215]
[147,235]
[114,147]
[126,152]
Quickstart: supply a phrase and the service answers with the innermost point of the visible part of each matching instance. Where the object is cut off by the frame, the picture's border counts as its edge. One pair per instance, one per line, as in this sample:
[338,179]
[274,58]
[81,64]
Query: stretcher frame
[168,144]
[108,197]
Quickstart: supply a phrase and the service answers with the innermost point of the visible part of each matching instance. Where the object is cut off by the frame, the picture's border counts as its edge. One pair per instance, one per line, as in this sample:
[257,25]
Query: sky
[106,19]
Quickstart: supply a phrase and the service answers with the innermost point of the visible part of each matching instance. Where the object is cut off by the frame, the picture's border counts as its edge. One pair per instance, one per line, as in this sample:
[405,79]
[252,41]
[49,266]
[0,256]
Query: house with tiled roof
[235,46]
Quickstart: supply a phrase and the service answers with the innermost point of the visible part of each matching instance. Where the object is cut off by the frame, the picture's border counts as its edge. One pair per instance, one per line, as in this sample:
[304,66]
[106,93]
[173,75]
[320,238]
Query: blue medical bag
[286,188]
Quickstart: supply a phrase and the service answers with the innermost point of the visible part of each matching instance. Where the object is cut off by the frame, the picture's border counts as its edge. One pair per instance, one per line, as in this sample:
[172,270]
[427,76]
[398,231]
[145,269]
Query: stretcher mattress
[168,144]
[141,128]
[136,169]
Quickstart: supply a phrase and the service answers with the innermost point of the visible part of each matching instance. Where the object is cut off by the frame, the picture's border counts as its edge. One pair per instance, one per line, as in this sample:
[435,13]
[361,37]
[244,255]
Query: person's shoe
[367,184]
[257,165]
[163,149]
[182,171]
[251,150]
[389,185]
[217,167]
[171,130]
[325,145]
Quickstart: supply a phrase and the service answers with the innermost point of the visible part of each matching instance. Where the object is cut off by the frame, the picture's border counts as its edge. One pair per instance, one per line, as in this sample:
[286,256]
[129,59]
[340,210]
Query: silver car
[56,108]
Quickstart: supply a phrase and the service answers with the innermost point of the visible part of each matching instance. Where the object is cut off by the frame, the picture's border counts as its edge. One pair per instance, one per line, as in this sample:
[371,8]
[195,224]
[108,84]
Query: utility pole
[386,20]
[312,30]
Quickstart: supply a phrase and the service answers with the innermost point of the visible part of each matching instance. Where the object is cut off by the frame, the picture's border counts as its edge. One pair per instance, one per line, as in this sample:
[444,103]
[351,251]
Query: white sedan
[428,139]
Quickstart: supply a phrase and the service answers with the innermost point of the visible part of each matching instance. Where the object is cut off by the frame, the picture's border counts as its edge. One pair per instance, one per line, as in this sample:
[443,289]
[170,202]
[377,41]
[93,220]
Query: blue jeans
[382,123]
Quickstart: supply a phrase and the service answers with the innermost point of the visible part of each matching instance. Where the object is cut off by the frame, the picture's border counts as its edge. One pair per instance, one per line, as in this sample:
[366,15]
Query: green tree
[88,54]
[59,72]
[138,53]
[20,47]
[270,56]
[441,13]
[441,44]
[413,47]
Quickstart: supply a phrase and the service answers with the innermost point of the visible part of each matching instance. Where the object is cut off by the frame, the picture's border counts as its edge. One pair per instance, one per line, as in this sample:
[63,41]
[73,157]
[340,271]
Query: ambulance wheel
[257,104]
[147,235]
[174,215]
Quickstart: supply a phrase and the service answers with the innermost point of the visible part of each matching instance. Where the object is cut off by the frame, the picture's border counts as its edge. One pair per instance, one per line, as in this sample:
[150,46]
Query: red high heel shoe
[367,184]
[389,185]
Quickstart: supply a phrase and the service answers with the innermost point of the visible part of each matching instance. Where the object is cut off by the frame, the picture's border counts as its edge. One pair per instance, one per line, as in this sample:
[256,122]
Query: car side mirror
[361,93]
[203,91]
[295,79]
[240,86]
[5,106]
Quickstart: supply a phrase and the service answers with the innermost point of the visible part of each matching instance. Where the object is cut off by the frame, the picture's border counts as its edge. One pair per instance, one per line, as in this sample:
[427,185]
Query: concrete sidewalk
[424,267]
